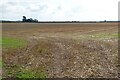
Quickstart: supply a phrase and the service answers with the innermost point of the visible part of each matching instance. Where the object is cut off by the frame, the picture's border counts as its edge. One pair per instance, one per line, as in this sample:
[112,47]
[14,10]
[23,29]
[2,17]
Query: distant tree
[24,19]
[35,20]
[29,20]
[105,21]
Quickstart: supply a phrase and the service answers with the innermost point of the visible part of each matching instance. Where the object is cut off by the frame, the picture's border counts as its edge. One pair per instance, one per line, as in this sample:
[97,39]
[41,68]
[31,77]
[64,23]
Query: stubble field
[57,50]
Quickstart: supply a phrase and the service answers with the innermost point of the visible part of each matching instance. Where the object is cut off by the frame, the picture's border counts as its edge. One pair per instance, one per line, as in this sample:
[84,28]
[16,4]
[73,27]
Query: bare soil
[81,50]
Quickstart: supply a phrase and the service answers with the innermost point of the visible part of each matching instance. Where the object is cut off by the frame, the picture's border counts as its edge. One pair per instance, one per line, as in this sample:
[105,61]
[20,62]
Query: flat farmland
[58,50]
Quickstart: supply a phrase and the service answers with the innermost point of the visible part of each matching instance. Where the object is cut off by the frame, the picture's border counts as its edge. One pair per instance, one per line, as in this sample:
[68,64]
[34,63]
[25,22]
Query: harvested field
[56,50]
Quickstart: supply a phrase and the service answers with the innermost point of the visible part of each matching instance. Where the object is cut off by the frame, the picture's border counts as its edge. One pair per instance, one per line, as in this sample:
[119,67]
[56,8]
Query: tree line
[29,20]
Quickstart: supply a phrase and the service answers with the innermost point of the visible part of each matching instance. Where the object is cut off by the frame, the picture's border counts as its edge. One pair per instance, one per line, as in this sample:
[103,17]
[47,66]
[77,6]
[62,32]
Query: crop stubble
[64,50]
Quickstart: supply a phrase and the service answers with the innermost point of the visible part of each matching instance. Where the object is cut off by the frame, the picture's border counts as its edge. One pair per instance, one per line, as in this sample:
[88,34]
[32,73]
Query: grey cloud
[43,7]
[5,8]
[12,3]
[34,10]
[8,6]
[59,7]
[37,8]
[77,9]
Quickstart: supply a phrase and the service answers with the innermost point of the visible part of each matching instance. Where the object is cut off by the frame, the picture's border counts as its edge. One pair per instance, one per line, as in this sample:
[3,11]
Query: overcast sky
[60,10]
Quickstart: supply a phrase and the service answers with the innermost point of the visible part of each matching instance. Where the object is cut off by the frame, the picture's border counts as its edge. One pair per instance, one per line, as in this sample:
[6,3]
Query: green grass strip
[12,42]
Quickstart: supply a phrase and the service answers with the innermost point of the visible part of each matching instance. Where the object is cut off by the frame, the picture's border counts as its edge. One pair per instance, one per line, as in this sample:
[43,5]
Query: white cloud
[60,9]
